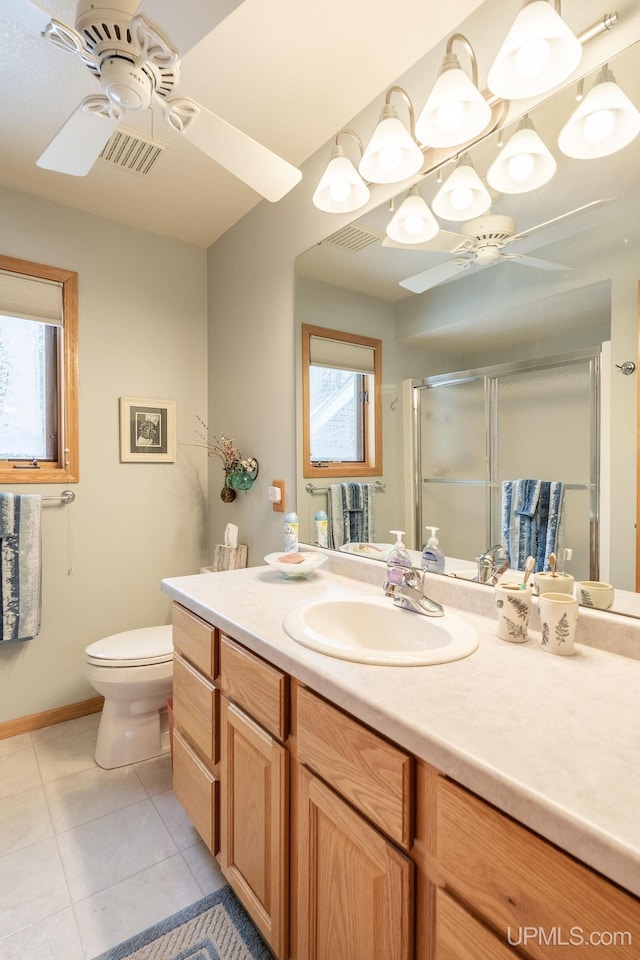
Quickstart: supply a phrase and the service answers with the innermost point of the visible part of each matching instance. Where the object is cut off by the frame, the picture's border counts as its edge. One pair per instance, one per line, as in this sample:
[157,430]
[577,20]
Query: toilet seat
[133,648]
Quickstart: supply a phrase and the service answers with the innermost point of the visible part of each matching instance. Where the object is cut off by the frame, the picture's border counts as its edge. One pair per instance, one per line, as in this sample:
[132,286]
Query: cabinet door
[254,822]
[355,889]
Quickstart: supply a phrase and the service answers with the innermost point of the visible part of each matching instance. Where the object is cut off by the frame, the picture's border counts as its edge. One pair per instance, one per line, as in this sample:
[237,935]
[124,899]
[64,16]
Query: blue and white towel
[20,566]
[351,513]
[532,521]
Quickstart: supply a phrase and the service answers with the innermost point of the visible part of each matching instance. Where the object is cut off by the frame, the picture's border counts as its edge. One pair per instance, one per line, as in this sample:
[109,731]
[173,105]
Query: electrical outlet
[278,506]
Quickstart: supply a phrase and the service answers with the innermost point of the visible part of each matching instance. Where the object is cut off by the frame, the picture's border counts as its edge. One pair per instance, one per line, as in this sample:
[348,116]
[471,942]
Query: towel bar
[311,487]
[67,496]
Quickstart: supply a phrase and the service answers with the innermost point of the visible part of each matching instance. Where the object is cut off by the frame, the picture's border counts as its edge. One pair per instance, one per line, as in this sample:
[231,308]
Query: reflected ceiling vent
[129,150]
[355,237]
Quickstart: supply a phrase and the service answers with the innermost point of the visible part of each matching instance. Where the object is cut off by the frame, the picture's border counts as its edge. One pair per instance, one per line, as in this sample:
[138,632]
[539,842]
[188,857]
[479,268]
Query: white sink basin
[373,630]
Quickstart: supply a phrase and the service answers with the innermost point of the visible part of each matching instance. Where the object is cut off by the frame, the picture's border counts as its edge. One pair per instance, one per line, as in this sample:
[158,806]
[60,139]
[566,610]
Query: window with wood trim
[342,405]
[38,373]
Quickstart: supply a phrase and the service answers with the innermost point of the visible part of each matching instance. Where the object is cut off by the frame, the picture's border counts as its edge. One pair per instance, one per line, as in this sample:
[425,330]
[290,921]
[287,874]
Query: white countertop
[552,741]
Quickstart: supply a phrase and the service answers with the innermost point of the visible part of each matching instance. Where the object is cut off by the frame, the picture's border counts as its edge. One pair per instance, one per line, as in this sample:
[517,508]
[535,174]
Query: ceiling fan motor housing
[124,83]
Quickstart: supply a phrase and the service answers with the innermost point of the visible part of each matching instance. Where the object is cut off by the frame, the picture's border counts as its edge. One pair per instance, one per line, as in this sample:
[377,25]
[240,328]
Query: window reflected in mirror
[342,406]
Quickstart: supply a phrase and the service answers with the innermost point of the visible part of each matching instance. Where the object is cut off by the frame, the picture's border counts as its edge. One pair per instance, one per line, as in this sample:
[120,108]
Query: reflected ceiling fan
[485,242]
[138,67]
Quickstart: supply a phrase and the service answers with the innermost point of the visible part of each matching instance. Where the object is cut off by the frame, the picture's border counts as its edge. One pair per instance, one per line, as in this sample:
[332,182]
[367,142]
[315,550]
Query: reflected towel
[536,534]
[20,566]
[351,513]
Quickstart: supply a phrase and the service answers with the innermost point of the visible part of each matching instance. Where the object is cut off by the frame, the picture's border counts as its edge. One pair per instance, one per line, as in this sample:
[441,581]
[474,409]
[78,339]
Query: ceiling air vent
[355,237]
[131,151]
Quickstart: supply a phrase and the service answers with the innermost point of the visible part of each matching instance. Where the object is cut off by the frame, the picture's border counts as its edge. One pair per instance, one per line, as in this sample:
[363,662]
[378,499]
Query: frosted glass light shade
[341,188]
[524,164]
[463,195]
[392,154]
[604,122]
[412,222]
[455,111]
[538,53]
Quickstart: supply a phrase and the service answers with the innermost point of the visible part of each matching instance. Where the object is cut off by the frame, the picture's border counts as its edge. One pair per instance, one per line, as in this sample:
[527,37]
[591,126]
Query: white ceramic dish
[376,551]
[296,571]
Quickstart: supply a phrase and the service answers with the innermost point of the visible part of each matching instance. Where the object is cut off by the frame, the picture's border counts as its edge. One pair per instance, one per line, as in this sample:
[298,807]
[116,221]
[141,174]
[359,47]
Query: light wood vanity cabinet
[344,847]
[254,820]
[355,893]
[196,721]
[533,895]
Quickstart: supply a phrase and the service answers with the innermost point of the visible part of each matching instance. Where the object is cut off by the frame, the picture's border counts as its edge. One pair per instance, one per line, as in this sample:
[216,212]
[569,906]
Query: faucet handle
[413,577]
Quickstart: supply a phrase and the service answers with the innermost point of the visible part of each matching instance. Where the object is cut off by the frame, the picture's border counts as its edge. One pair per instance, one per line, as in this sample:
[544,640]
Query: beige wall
[142,332]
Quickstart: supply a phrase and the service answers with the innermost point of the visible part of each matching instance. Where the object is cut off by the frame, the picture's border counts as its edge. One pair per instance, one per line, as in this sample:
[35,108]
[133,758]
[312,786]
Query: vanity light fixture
[392,154]
[413,222]
[604,121]
[341,188]
[455,111]
[524,164]
[463,195]
[538,53]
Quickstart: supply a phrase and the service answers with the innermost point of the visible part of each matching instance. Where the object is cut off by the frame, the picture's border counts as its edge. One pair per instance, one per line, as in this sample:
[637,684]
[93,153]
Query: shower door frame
[493,487]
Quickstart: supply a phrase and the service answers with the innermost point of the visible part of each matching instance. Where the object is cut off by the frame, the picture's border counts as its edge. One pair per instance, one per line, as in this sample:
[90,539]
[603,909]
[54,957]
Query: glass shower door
[453,458]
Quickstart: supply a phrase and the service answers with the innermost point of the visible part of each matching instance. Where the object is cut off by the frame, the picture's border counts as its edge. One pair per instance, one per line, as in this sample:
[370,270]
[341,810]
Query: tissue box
[229,558]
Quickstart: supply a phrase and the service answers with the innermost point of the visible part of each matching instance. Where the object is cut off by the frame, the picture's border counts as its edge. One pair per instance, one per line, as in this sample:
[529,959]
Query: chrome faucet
[410,593]
[489,563]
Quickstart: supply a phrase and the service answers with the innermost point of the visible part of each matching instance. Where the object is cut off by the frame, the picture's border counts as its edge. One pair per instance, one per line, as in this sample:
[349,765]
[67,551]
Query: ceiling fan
[484,242]
[137,68]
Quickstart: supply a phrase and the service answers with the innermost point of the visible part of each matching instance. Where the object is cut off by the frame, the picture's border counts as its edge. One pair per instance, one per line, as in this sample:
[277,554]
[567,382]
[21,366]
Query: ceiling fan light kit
[413,222]
[604,121]
[463,195]
[538,53]
[524,164]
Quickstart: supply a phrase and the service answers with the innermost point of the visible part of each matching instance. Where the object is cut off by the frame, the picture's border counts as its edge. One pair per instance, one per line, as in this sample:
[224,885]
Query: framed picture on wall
[147,430]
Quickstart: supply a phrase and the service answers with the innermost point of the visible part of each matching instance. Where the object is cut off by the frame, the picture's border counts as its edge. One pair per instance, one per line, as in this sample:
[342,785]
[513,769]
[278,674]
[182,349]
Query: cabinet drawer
[196,708]
[519,882]
[197,790]
[375,776]
[459,936]
[195,639]
[255,685]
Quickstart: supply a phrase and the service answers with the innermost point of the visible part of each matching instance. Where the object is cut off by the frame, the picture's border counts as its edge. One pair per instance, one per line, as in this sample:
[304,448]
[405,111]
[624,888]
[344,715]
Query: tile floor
[89,857]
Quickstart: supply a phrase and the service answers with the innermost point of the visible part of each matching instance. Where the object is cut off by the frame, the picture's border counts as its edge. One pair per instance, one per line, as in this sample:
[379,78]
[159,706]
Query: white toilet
[134,673]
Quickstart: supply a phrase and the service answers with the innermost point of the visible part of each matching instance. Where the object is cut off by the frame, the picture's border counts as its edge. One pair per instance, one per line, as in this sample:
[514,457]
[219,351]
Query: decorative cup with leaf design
[514,606]
[558,619]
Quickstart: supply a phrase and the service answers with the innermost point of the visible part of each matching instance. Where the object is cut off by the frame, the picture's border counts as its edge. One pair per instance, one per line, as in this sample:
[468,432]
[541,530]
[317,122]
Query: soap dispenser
[398,560]
[432,555]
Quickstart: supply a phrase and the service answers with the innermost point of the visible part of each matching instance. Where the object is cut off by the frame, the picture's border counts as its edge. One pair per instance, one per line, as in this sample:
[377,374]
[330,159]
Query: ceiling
[280,70]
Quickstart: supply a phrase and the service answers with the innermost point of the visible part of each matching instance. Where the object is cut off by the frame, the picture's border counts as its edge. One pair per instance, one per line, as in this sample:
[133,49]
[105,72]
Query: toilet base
[126,737]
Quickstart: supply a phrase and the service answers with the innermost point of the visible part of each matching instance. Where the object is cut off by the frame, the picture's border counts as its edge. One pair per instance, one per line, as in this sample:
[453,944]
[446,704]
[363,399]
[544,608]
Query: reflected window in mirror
[342,403]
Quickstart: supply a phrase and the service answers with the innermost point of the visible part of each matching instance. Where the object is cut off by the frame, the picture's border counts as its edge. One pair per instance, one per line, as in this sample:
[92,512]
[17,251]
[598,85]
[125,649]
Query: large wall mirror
[569,287]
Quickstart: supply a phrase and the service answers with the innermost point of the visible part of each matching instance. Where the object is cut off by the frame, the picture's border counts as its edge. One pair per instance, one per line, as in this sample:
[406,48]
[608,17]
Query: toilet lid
[133,647]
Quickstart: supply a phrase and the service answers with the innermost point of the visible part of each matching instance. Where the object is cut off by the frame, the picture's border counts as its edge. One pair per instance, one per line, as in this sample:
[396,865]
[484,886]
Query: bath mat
[215,928]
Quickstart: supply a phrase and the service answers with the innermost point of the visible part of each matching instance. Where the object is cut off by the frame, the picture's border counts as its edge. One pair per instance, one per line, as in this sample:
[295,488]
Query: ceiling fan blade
[185,28]
[562,216]
[77,145]
[443,242]
[434,275]
[534,262]
[264,171]
[28,13]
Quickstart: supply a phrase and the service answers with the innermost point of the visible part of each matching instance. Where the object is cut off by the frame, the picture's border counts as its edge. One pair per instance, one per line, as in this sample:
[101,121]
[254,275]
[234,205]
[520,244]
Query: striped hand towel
[20,566]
